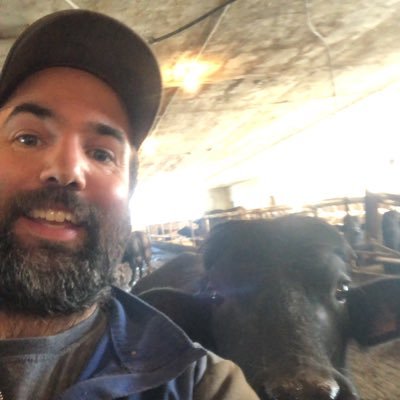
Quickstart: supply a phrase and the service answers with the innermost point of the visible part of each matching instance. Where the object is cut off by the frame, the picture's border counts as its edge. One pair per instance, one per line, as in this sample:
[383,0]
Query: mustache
[24,202]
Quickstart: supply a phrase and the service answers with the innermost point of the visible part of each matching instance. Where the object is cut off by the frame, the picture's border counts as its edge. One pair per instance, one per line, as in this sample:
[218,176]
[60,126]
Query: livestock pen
[369,211]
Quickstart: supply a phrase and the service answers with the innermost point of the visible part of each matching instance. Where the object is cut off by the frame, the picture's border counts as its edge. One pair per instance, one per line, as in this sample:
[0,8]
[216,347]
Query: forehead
[72,93]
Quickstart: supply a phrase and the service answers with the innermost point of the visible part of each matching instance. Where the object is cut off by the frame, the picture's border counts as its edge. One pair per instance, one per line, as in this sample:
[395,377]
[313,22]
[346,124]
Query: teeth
[53,215]
[35,214]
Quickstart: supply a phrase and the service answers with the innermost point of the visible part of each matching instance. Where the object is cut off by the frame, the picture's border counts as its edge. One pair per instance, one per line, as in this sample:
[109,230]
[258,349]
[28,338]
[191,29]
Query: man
[78,93]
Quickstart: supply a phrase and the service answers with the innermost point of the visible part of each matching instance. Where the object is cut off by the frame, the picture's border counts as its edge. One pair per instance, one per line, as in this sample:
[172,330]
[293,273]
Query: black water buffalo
[138,253]
[352,231]
[277,300]
[185,272]
[135,262]
[391,237]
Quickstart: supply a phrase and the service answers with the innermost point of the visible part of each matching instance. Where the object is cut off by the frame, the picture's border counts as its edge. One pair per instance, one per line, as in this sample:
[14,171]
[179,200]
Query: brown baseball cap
[95,43]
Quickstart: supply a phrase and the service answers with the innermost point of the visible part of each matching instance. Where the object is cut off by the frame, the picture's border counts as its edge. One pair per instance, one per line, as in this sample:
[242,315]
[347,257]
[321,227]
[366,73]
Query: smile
[53,215]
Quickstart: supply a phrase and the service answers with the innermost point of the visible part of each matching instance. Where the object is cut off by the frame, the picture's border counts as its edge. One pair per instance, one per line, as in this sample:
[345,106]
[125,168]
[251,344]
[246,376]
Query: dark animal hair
[233,239]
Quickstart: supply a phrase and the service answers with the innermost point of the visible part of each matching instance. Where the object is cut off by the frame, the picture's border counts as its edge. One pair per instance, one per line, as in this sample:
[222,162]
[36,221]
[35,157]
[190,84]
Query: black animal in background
[352,231]
[277,300]
[391,237]
[184,271]
[138,254]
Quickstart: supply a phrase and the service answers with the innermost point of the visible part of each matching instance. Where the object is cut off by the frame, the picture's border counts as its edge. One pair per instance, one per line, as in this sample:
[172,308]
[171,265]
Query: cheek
[110,195]
[17,175]
[330,324]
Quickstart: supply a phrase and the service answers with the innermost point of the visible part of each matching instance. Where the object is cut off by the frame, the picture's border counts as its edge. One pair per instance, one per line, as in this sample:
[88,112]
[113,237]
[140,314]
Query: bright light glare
[190,74]
[149,146]
[342,156]
[167,198]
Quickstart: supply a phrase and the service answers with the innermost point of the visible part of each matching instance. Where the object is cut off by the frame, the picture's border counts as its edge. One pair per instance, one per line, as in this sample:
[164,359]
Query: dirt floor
[376,372]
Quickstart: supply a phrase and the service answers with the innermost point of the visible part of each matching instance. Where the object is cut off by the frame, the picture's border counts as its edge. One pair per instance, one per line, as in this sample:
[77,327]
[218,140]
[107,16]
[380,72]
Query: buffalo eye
[212,293]
[216,298]
[342,291]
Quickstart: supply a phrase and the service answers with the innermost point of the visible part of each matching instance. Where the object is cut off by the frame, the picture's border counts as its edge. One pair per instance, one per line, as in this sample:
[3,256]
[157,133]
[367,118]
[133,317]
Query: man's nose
[65,165]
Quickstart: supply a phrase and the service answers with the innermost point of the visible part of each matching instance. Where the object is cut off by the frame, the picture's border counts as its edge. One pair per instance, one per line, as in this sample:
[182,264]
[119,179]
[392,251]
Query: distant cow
[138,254]
[391,237]
[278,303]
[352,231]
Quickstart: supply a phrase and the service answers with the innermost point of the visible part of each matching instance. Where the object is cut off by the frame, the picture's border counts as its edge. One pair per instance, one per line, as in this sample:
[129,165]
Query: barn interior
[269,107]
[266,102]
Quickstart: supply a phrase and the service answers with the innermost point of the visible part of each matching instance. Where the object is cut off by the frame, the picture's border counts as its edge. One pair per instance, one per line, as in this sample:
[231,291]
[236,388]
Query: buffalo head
[278,301]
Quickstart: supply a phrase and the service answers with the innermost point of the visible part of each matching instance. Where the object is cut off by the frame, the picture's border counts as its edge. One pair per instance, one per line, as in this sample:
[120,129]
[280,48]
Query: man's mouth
[51,215]
[49,224]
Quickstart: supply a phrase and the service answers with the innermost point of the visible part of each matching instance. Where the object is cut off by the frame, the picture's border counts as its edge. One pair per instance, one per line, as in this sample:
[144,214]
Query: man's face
[64,185]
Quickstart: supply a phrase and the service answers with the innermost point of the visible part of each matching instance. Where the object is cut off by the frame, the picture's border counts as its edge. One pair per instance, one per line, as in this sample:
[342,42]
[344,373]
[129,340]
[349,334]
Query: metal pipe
[388,260]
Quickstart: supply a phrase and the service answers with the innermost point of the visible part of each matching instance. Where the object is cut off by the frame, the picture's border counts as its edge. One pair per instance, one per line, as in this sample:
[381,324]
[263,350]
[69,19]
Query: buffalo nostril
[331,388]
[308,390]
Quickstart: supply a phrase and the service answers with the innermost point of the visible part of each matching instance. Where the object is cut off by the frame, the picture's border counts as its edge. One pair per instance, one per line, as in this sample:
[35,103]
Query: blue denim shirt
[142,356]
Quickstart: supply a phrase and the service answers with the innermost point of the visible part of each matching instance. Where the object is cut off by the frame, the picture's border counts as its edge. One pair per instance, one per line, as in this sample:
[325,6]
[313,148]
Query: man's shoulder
[155,355]
[214,377]
[222,379]
[146,332]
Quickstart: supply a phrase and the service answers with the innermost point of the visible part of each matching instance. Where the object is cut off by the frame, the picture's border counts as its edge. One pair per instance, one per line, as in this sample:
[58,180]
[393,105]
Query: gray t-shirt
[40,368]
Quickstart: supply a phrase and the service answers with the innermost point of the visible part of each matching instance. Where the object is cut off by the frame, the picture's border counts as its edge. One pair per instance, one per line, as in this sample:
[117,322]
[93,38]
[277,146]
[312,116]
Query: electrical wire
[190,24]
[315,32]
[220,18]
[72,4]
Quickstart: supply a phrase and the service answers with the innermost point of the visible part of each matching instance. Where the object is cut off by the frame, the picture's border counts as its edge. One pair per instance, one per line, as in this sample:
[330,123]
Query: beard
[50,279]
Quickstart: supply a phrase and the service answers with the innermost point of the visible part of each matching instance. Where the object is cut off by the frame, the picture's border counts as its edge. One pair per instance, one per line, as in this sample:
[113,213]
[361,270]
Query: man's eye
[102,156]
[28,140]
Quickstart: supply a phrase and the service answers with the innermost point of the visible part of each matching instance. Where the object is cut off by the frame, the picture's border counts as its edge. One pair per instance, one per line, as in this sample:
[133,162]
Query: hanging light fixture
[189,74]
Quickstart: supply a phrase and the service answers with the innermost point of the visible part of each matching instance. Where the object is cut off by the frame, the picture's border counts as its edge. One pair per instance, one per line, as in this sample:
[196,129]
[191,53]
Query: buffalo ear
[374,311]
[190,312]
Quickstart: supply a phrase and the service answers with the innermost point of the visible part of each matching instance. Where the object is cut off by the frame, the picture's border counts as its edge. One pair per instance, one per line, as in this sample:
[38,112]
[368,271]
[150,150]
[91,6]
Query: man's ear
[374,311]
[190,312]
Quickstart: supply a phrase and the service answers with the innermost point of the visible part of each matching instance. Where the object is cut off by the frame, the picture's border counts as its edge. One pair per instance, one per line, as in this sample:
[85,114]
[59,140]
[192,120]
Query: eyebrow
[44,112]
[31,108]
[107,130]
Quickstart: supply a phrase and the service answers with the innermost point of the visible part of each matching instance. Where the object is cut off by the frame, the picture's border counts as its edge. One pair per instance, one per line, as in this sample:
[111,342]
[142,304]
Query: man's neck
[14,325]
